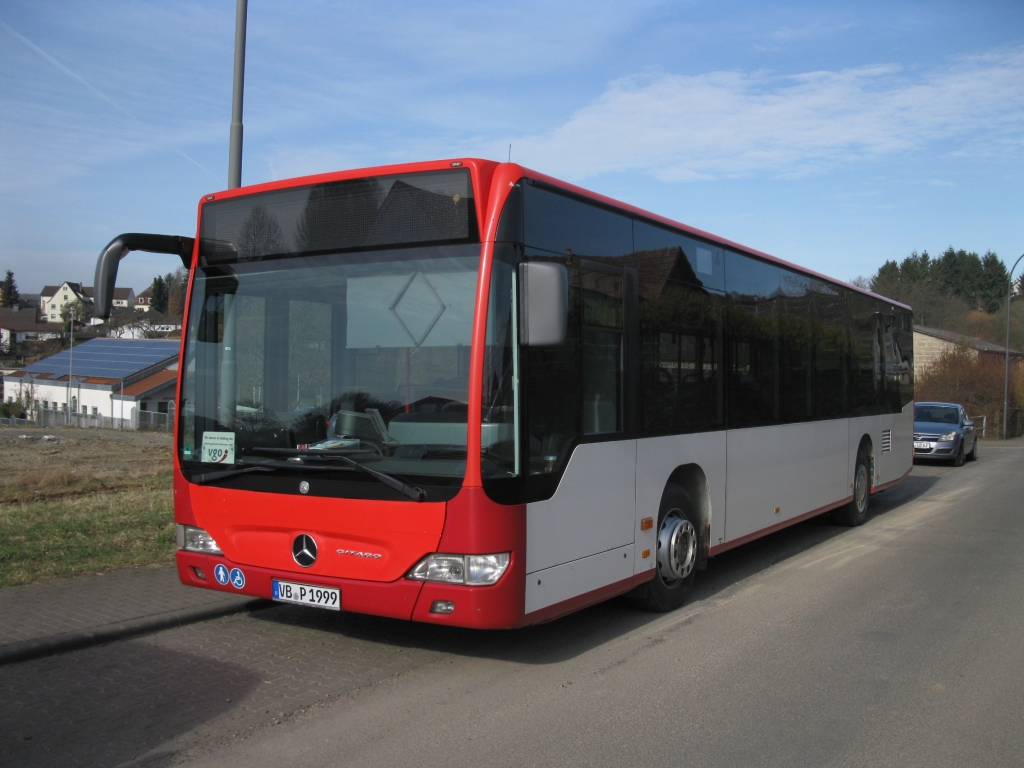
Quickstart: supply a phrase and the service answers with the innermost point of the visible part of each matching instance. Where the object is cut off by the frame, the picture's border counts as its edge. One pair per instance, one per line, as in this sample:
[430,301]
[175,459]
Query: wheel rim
[677,548]
[860,488]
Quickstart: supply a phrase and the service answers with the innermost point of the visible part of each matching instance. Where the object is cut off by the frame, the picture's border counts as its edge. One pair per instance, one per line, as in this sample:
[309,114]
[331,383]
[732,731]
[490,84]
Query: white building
[54,298]
[113,378]
[18,324]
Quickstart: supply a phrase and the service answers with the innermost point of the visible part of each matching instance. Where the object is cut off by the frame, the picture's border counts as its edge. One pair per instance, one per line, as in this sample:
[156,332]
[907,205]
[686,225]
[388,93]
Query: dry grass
[88,501]
[61,482]
[86,534]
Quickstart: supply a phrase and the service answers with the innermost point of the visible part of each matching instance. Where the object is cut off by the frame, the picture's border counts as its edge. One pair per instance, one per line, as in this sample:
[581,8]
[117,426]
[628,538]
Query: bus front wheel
[678,546]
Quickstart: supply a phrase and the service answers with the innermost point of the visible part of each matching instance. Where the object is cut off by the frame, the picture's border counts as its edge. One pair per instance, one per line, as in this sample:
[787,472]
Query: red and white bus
[466,393]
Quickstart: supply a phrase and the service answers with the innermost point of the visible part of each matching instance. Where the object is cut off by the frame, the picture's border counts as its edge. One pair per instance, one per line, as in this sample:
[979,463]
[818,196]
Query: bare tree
[260,235]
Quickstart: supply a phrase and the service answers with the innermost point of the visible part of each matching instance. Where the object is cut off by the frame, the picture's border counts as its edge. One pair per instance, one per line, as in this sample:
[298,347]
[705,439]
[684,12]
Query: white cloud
[680,128]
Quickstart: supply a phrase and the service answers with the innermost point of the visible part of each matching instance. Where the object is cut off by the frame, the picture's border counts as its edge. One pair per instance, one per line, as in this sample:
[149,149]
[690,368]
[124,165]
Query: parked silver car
[943,431]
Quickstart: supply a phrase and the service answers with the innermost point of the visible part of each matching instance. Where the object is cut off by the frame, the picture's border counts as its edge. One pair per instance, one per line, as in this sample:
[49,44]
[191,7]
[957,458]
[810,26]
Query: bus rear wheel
[856,512]
[678,547]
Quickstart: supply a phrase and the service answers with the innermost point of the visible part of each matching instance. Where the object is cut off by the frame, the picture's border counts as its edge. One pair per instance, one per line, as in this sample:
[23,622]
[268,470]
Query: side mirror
[544,303]
[118,248]
[969,423]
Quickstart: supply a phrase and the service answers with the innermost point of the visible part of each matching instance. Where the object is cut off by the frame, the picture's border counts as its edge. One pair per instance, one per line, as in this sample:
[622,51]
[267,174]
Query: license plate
[307,594]
[923,446]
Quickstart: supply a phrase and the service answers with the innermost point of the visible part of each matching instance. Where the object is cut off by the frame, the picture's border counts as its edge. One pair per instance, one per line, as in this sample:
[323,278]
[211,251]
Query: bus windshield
[363,353]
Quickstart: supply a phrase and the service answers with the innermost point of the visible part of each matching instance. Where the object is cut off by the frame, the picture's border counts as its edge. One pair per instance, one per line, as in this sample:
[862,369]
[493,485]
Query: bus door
[591,514]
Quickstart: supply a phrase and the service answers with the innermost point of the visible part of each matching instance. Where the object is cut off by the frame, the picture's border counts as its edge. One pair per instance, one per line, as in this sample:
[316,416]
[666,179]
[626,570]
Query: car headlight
[472,570]
[948,436]
[193,539]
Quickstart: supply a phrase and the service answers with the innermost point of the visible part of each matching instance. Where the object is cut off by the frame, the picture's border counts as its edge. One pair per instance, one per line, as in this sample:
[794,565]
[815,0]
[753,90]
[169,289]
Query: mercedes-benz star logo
[304,550]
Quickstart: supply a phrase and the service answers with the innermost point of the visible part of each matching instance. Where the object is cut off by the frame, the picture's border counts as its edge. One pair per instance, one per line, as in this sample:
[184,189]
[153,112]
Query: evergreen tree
[9,290]
[159,292]
[959,273]
[993,282]
[943,291]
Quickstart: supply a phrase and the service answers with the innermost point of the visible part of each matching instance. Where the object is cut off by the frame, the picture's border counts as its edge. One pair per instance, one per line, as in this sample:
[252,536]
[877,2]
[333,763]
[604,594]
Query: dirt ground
[37,462]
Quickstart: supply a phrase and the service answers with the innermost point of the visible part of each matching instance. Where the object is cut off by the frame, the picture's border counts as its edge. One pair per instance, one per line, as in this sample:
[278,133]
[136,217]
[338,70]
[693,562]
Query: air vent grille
[908,322]
[886,440]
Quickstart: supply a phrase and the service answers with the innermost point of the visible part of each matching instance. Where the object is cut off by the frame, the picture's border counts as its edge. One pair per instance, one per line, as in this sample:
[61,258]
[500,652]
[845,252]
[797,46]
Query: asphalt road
[898,643]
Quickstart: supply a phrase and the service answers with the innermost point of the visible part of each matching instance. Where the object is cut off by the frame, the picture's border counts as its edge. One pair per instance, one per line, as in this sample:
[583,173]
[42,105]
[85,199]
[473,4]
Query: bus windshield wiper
[413,492]
[207,477]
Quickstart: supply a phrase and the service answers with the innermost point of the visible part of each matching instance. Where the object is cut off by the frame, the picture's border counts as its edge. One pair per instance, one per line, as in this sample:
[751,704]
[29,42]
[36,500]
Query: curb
[38,648]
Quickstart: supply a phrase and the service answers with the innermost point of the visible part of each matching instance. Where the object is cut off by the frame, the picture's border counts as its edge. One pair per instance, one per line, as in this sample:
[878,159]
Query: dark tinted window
[340,215]
[903,336]
[552,394]
[555,222]
[753,335]
[601,291]
[681,388]
[796,347]
[510,225]
[830,353]
[867,362]
[697,262]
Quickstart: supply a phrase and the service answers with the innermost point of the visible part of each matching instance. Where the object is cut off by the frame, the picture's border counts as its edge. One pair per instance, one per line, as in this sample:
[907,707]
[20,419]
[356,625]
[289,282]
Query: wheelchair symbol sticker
[237,578]
[220,573]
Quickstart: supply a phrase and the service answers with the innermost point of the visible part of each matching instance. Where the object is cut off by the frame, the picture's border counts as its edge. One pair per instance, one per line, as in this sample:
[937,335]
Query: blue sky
[833,135]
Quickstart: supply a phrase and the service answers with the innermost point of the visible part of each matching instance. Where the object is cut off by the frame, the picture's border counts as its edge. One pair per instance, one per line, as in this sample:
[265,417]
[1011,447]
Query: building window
[95,411]
[144,406]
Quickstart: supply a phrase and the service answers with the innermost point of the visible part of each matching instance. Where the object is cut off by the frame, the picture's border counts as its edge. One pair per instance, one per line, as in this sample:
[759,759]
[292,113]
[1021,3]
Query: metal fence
[50,418]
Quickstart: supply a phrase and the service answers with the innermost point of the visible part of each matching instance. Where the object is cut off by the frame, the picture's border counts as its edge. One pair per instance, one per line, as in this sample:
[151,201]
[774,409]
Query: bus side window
[680,386]
[552,382]
[866,358]
[601,290]
[753,288]
[830,352]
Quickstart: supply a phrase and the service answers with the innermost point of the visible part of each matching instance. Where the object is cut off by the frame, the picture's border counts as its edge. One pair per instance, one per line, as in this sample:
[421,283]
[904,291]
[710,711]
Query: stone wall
[928,349]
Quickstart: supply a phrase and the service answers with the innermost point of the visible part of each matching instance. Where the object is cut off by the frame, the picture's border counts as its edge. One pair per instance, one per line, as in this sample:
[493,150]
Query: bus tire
[678,549]
[856,512]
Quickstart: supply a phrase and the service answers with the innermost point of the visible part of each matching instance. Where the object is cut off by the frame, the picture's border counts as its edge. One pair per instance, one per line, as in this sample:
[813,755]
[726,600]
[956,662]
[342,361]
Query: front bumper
[936,449]
[494,607]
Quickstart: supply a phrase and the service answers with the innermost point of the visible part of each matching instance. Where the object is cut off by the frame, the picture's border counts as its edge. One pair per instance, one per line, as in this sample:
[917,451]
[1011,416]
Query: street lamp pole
[1006,351]
[235,148]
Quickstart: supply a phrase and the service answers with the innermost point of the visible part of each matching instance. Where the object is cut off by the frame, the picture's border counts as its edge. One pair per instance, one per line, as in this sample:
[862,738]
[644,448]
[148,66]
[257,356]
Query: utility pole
[235,148]
[1006,353]
[71,358]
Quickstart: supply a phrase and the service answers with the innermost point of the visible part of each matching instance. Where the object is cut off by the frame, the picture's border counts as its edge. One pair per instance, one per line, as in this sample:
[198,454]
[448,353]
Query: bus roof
[483,171]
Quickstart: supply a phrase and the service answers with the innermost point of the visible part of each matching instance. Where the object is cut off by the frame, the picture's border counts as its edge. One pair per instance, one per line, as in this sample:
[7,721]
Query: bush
[15,409]
[960,375]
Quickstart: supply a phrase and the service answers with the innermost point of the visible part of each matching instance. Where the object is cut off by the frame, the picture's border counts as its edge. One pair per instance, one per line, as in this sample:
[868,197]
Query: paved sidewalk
[50,617]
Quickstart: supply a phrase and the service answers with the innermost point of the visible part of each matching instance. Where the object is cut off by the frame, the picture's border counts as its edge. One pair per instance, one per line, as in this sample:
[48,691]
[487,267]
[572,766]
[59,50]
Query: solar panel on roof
[113,358]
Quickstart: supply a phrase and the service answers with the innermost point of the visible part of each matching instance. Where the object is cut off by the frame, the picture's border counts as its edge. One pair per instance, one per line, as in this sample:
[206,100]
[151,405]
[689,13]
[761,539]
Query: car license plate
[307,594]
[923,446]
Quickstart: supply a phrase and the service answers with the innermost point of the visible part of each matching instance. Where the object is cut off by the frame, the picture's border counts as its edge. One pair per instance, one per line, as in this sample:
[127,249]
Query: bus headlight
[193,539]
[472,570]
